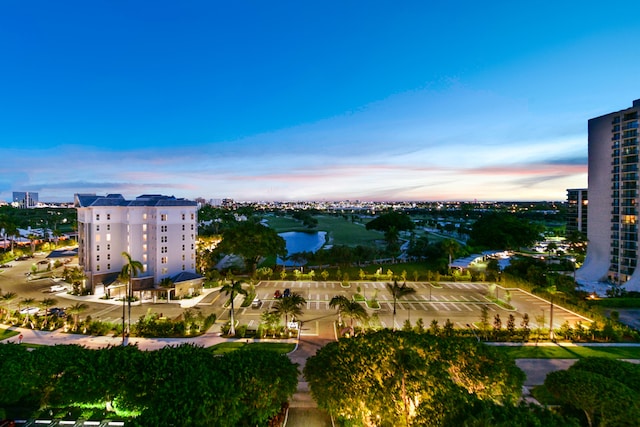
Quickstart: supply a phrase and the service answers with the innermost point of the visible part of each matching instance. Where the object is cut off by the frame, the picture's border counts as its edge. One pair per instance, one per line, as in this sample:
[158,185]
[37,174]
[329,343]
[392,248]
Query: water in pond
[298,241]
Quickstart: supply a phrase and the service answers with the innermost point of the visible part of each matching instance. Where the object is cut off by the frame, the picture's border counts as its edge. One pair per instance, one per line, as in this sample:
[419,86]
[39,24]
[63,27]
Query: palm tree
[46,303]
[450,246]
[75,311]
[5,299]
[232,289]
[339,301]
[291,305]
[349,308]
[397,292]
[26,302]
[130,269]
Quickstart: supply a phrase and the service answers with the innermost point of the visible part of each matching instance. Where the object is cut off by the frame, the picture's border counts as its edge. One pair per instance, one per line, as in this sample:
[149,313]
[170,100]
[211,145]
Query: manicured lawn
[7,333]
[233,346]
[340,230]
[575,352]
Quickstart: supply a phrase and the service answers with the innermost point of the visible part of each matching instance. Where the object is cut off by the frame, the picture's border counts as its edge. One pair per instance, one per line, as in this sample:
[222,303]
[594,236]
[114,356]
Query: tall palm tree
[26,302]
[130,269]
[75,311]
[398,291]
[450,246]
[5,299]
[339,302]
[289,306]
[46,303]
[232,289]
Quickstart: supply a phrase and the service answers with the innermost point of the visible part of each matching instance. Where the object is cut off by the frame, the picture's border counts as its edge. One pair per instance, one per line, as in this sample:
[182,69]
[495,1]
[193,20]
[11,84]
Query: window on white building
[184,217]
[108,256]
[108,237]
[98,227]
[163,217]
[163,260]
[97,257]
[108,266]
[108,227]
[98,267]
[97,247]
[97,217]
[165,270]
[108,217]
[108,246]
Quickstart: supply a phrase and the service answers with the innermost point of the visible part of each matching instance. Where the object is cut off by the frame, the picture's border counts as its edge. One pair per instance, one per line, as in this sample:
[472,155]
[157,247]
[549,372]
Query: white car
[29,310]
[58,288]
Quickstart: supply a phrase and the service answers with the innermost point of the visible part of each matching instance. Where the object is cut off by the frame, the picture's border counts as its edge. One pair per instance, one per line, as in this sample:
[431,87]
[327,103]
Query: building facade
[612,252]
[577,210]
[25,199]
[159,231]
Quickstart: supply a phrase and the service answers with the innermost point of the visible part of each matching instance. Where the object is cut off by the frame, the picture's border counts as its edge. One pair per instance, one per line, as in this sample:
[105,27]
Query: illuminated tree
[232,289]
[398,291]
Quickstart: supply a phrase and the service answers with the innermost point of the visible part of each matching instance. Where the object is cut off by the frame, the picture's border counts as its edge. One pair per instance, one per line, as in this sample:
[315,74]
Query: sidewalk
[58,337]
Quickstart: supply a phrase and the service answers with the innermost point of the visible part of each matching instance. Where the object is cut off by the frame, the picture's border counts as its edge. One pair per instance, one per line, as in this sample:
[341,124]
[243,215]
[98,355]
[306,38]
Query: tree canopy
[252,241]
[391,220]
[607,391]
[501,230]
[184,385]
[403,378]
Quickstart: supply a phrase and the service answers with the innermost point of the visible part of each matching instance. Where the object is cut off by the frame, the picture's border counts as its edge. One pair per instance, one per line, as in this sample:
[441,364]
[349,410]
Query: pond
[298,241]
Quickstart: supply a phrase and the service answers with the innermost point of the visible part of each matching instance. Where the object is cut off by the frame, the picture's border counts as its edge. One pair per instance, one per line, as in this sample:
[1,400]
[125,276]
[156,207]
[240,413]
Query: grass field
[339,230]
[8,333]
[570,352]
[233,346]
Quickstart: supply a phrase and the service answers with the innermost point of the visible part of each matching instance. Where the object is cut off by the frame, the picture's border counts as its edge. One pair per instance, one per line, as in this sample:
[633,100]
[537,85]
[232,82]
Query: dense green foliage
[504,231]
[183,385]
[605,390]
[252,241]
[404,378]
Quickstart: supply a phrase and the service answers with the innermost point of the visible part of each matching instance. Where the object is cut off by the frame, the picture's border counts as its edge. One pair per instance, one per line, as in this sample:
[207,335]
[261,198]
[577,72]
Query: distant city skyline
[308,101]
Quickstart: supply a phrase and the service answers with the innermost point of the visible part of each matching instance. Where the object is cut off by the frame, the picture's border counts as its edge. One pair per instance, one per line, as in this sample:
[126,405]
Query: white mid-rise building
[158,231]
[612,252]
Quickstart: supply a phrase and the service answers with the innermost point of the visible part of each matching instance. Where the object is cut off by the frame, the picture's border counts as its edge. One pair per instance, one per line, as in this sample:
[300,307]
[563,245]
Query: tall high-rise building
[25,199]
[159,231]
[612,252]
[577,210]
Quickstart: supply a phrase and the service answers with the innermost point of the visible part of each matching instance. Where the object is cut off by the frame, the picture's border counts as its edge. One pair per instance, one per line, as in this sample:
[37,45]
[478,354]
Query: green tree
[289,306]
[500,230]
[450,247]
[349,308]
[603,400]
[398,291]
[252,241]
[75,310]
[130,269]
[232,289]
[46,304]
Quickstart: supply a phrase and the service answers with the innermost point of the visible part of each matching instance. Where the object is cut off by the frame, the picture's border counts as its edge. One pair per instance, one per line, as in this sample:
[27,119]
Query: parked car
[57,311]
[256,303]
[29,310]
[57,288]
[6,266]
[277,294]
[287,293]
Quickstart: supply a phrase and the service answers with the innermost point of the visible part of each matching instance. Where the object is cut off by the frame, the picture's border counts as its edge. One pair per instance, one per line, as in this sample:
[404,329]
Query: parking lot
[460,302]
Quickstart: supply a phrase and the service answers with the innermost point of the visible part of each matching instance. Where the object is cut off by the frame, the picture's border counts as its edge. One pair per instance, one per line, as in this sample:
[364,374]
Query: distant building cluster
[25,199]
[613,183]
[159,231]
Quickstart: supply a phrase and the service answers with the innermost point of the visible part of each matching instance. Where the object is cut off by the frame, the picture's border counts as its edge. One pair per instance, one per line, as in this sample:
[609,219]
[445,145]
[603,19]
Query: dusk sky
[309,100]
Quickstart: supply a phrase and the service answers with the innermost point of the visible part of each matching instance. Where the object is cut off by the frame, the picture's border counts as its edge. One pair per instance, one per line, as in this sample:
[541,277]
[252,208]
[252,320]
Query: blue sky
[309,100]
